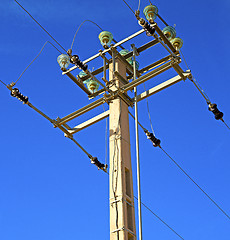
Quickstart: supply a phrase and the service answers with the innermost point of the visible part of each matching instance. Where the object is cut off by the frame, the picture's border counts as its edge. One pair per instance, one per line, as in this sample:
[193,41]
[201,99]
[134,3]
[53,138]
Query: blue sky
[48,188]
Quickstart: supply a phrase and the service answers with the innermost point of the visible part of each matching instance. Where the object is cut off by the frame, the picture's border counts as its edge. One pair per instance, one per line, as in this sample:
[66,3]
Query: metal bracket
[123,229]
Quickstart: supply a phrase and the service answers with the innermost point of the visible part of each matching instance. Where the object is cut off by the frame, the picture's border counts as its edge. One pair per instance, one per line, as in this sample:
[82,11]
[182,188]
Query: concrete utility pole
[124,76]
[122,215]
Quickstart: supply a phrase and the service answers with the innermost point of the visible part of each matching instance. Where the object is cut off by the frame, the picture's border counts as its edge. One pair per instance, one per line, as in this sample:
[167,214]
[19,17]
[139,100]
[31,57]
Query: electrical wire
[147,102]
[97,26]
[3,83]
[161,219]
[184,59]
[114,187]
[40,25]
[138,121]
[205,96]
[106,137]
[225,123]
[36,58]
[195,183]
[116,151]
[196,83]
[79,29]
[139,5]
[128,6]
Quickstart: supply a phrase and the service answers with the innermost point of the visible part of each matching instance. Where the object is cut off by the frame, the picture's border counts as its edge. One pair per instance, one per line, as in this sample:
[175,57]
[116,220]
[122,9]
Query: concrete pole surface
[122,215]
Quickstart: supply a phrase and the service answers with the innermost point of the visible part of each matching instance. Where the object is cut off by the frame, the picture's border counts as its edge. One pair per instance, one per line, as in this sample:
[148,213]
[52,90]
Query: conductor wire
[40,25]
[79,29]
[128,6]
[97,26]
[160,219]
[225,123]
[150,120]
[195,183]
[36,58]
[3,83]
[139,5]
[205,96]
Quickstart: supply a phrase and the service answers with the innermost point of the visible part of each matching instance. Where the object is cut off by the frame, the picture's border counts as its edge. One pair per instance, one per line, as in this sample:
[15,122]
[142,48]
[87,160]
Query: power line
[3,83]
[36,58]
[195,183]
[194,81]
[40,25]
[138,121]
[139,5]
[225,123]
[184,60]
[160,219]
[128,6]
[79,29]
[150,120]
[205,96]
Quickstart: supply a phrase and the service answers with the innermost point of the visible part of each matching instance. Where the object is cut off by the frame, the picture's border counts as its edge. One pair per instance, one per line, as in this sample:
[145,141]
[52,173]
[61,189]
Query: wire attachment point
[100,165]
[15,93]
[155,141]
[76,61]
[150,30]
[213,108]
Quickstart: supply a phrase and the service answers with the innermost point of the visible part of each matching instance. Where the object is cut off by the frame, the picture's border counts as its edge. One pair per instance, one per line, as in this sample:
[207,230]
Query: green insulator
[177,43]
[63,61]
[170,32]
[91,84]
[82,74]
[123,52]
[137,64]
[105,38]
[150,13]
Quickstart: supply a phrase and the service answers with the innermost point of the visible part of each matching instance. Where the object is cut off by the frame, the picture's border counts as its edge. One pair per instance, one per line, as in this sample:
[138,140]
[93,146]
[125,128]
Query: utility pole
[122,215]
[124,76]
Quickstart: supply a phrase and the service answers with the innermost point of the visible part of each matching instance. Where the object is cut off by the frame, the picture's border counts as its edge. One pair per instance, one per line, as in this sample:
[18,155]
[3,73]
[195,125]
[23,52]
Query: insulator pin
[213,108]
[100,165]
[155,141]
[15,93]
[76,61]
[147,27]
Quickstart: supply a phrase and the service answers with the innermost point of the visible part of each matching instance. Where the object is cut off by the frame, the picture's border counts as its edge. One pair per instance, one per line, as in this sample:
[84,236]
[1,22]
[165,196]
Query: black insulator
[213,108]
[15,93]
[147,27]
[155,141]
[95,161]
[76,61]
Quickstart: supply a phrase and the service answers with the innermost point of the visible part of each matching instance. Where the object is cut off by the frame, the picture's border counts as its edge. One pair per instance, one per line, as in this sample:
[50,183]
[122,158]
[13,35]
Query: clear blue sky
[48,188]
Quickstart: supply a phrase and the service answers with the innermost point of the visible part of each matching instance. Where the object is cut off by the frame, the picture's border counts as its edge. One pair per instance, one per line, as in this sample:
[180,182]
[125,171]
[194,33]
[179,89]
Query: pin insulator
[213,108]
[147,27]
[96,162]
[15,93]
[155,141]
[76,61]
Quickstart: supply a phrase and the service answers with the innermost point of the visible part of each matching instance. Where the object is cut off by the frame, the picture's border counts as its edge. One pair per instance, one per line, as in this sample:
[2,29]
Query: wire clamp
[213,108]
[99,165]
[150,30]
[16,93]
[155,141]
